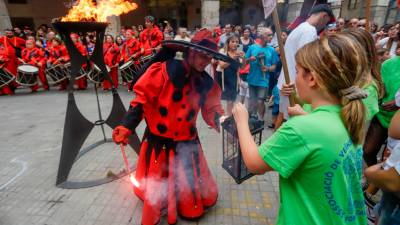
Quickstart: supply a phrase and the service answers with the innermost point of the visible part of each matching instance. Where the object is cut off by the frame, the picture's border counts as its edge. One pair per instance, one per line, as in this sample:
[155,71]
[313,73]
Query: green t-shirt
[320,170]
[371,103]
[391,79]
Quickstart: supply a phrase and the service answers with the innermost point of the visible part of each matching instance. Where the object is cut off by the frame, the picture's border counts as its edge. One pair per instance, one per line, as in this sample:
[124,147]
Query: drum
[96,75]
[55,74]
[5,77]
[27,75]
[67,70]
[129,70]
[143,60]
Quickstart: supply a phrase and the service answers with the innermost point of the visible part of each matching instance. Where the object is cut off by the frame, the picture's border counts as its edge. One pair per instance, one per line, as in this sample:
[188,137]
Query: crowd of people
[345,79]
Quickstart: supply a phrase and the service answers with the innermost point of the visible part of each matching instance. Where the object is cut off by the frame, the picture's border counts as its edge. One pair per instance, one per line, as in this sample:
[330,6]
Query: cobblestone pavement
[30,136]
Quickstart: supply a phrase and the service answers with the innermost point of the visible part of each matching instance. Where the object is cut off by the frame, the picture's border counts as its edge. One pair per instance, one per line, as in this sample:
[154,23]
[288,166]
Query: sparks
[86,10]
[134,181]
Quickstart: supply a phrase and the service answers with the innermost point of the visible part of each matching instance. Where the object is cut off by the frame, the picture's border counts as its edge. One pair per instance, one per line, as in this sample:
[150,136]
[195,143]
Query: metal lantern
[232,156]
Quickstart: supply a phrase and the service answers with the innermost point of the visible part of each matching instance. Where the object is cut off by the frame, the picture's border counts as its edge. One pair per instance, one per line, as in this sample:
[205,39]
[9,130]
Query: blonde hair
[339,62]
[367,42]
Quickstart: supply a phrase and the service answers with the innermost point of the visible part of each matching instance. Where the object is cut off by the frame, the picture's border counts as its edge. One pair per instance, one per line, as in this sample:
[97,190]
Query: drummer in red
[131,48]
[81,82]
[172,171]
[34,56]
[58,54]
[111,58]
[151,37]
[8,61]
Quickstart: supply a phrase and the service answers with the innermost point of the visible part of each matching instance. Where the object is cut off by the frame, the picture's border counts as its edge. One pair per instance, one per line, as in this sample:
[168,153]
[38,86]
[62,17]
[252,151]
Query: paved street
[30,136]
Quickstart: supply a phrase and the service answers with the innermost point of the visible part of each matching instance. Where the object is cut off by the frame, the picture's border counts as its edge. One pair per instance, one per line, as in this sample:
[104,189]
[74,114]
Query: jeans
[388,210]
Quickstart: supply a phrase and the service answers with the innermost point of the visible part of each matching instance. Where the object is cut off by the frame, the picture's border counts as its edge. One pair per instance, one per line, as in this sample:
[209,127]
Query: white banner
[269,6]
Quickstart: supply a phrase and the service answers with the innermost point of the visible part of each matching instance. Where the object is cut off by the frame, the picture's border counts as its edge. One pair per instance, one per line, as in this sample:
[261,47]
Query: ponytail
[353,112]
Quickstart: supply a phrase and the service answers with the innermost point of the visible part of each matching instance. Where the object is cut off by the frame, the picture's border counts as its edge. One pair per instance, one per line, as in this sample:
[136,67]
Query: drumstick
[21,60]
[223,79]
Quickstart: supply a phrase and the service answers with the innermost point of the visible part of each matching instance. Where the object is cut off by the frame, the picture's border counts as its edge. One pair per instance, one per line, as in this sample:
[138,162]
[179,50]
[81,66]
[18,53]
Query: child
[383,55]
[318,156]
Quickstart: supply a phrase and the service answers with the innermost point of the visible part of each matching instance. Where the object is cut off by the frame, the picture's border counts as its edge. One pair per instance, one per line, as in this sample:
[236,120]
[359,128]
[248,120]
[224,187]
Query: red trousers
[176,183]
[114,77]
[82,83]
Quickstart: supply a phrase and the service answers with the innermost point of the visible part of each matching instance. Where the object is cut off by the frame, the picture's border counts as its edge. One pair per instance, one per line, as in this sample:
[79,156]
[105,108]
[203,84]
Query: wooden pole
[367,15]
[282,52]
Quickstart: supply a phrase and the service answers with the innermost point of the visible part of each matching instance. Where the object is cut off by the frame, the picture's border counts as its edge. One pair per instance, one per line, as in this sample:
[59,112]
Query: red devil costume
[81,82]
[111,59]
[151,37]
[8,62]
[172,172]
[35,57]
[59,54]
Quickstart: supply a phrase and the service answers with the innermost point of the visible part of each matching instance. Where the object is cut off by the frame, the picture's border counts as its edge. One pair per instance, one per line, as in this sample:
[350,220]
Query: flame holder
[232,156]
[77,128]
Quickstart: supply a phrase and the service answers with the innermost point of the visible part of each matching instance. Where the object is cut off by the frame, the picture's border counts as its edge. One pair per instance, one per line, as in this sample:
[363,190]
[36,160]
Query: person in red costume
[16,42]
[34,56]
[131,48]
[81,82]
[151,37]
[8,62]
[172,172]
[58,54]
[111,58]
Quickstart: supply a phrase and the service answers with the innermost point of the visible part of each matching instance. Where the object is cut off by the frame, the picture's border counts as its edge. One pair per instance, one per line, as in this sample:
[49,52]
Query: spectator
[391,41]
[318,174]
[263,59]
[383,55]
[245,39]
[386,175]
[306,32]
[340,24]
[227,74]
[330,29]
[182,35]
[224,36]
[353,23]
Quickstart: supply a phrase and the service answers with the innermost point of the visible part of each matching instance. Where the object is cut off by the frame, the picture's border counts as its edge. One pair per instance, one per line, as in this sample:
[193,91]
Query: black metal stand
[77,128]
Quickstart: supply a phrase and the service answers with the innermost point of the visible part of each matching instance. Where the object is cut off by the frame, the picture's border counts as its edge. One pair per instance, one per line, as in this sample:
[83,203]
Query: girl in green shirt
[317,155]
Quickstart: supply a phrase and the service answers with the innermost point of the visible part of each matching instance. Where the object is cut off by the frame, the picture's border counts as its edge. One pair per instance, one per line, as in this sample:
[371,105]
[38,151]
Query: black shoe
[272,126]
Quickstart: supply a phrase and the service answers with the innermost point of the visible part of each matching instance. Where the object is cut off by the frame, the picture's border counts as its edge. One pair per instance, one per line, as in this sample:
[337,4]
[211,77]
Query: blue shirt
[255,76]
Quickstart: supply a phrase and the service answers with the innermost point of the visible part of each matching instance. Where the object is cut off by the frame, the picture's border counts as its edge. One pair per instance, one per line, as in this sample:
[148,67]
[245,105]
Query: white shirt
[392,50]
[179,38]
[302,35]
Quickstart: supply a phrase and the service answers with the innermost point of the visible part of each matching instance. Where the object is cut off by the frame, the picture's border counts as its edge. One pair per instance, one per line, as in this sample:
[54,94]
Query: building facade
[191,13]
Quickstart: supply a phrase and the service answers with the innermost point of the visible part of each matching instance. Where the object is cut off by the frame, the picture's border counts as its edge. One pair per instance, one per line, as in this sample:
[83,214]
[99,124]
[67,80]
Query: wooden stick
[367,15]
[223,79]
[282,52]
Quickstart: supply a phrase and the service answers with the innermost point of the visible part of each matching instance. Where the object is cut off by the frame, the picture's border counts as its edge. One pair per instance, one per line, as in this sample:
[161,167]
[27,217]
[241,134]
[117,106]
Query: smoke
[156,190]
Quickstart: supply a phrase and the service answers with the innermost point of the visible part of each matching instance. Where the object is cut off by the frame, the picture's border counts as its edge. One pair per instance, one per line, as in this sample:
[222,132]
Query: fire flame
[134,181]
[86,10]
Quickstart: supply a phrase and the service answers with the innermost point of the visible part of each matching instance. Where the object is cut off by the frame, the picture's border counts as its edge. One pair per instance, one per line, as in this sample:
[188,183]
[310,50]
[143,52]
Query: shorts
[244,89]
[258,93]
[283,105]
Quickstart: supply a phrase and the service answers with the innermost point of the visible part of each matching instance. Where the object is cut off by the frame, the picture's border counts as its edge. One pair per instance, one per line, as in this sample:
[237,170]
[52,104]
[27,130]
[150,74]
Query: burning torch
[260,60]
[127,167]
